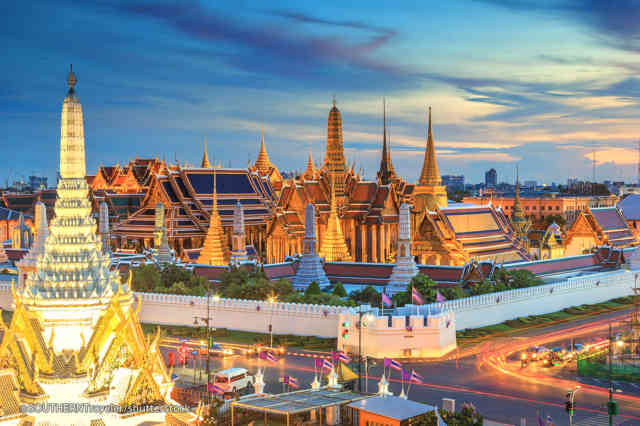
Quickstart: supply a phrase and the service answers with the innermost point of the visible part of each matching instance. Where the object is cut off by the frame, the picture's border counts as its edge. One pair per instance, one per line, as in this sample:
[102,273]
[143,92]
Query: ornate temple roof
[610,226]
[187,195]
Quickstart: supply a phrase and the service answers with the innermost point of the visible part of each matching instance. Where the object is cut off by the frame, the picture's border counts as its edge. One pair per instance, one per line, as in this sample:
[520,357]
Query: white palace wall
[324,321]
[494,308]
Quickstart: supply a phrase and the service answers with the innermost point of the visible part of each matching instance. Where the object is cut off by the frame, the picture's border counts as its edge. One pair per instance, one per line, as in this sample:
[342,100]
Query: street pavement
[485,376]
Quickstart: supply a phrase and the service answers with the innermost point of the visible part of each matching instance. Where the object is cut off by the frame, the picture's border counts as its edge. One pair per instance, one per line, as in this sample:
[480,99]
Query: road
[486,377]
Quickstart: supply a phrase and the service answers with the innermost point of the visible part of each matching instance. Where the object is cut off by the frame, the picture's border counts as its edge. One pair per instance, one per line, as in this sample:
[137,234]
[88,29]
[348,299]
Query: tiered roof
[188,198]
[610,226]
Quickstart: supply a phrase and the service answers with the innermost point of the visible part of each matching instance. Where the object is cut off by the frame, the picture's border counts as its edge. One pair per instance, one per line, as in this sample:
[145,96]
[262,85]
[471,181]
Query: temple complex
[367,211]
[74,333]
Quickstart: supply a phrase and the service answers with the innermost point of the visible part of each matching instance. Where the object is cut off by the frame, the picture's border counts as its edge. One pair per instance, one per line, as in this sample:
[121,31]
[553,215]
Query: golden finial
[71,79]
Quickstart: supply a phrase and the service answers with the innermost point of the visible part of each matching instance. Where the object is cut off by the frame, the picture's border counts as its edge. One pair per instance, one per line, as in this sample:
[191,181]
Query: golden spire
[263,164]
[334,161]
[430,174]
[214,250]
[334,248]
[205,157]
[518,220]
[310,172]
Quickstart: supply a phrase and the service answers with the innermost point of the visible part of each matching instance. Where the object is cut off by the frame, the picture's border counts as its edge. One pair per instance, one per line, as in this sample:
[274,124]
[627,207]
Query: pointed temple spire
[386,172]
[429,193]
[72,266]
[519,222]
[405,267]
[205,156]
[263,164]
[334,161]
[310,172]
[310,267]
[163,254]
[214,250]
[430,174]
[334,247]
[238,237]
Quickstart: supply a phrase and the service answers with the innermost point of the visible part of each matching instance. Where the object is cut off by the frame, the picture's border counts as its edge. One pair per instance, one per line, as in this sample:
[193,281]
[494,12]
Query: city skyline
[166,75]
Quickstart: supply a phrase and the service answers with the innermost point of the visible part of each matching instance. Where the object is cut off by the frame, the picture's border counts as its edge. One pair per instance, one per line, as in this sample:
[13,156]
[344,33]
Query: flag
[335,355]
[405,375]
[415,377]
[549,421]
[327,364]
[416,296]
[386,300]
[395,365]
[439,297]
[387,362]
[540,422]
[269,357]
[318,362]
[214,388]
[343,357]
[292,381]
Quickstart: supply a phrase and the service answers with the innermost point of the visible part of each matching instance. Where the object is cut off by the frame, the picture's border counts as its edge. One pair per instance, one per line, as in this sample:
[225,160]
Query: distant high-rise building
[491,178]
[37,182]
[530,184]
[453,181]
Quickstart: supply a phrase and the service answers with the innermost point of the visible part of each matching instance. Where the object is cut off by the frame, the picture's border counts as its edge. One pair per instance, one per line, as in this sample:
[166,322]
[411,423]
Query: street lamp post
[360,314]
[572,397]
[272,300]
[208,320]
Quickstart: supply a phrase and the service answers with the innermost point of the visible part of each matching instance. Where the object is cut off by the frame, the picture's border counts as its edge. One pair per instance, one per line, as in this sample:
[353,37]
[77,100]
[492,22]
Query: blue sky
[540,84]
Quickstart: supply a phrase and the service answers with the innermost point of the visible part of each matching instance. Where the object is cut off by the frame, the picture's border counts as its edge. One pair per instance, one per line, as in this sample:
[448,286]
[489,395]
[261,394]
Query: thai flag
[343,357]
[386,300]
[327,364]
[439,297]
[395,364]
[269,357]
[214,388]
[416,296]
[318,362]
[292,381]
[415,377]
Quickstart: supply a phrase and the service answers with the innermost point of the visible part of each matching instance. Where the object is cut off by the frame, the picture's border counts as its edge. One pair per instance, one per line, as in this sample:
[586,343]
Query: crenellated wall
[494,308]
[398,336]
[237,314]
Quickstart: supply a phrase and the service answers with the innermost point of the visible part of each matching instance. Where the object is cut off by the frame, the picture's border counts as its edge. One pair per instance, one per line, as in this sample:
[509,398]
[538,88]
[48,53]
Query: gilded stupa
[205,157]
[215,250]
[334,161]
[429,192]
[74,334]
[263,164]
[333,247]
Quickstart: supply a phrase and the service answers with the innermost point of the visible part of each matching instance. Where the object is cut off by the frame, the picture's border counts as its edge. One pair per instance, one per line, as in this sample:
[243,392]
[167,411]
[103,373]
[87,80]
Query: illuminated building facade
[74,333]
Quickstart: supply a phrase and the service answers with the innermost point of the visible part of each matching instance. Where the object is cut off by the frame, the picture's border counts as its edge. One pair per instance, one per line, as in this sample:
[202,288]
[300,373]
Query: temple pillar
[352,238]
[374,243]
[363,245]
[384,242]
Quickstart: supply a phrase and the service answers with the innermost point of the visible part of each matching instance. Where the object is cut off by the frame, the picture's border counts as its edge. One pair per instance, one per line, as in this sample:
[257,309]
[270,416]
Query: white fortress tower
[405,267]
[73,283]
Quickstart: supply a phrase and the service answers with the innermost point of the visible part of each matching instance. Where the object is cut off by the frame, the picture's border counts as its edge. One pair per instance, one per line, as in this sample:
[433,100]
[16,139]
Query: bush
[339,290]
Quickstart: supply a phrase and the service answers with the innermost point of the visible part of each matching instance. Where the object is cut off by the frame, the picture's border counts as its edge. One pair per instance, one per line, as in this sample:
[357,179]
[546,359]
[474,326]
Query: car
[536,353]
[233,379]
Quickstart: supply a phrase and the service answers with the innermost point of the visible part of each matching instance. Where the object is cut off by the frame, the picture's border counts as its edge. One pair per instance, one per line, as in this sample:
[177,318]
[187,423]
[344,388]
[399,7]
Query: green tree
[483,287]
[425,286]
[313,288]
[146,278]
[453,293]
[339,290]
[367,295]
[516,278]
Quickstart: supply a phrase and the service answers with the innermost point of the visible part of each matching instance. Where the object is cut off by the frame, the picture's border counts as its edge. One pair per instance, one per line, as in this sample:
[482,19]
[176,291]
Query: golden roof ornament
[205,157]
[334,247]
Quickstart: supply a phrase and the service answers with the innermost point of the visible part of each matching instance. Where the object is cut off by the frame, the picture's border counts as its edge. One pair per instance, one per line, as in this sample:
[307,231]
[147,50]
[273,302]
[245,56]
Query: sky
[539,84]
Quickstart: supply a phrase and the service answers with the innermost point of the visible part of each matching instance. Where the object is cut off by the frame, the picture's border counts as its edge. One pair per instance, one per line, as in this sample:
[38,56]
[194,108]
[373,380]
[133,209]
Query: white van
[233,379]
